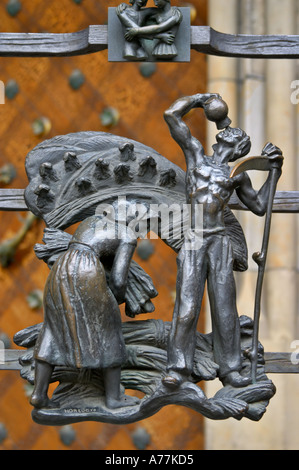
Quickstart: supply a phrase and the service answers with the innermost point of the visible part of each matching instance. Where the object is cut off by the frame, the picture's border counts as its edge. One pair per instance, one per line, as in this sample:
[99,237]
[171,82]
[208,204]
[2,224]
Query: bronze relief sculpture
[82,326]
[117,189]
[120,190]
[160,33]
[165,22]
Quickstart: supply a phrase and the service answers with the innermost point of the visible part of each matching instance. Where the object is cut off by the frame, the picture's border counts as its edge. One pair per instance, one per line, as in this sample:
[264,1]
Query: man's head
[237,139]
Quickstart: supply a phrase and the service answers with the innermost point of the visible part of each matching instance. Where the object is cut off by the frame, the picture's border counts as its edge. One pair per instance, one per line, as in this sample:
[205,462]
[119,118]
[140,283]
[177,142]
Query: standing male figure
[208,189]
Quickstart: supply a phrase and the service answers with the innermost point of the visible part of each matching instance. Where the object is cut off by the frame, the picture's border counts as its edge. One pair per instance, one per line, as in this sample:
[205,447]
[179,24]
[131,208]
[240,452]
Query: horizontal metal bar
[275,362]
[284,201]
[86,41]
[280,363]
[12,200]
[95,38]
[208,41]
[9,359]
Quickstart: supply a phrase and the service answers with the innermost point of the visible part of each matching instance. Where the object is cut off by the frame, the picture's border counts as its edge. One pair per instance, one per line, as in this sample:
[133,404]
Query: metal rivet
[145,249]
[11,89]
[147,69]
[141,438]
[35,299]
[7,173]
[3,433]
[13,7]
[67,435]
[109,116]
[41,126]
[28,390]
[76,79]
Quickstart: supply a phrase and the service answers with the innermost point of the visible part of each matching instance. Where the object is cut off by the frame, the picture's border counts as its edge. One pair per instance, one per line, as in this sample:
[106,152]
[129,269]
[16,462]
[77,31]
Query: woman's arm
[152,30]
[120,269]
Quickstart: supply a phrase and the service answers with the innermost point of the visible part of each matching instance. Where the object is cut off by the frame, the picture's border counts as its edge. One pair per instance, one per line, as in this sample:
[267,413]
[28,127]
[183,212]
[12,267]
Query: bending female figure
[82,322]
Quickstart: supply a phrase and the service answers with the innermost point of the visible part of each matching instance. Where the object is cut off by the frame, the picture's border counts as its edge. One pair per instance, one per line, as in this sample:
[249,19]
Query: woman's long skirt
[82,323]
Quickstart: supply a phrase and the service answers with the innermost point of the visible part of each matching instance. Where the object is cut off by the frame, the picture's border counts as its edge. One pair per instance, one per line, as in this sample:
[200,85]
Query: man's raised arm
[178,128]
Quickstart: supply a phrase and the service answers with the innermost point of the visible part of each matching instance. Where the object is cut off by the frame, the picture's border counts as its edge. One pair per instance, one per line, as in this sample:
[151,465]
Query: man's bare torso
[209,189]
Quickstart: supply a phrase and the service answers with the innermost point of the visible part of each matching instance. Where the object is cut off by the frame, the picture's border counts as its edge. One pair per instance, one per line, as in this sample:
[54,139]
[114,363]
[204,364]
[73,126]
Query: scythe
[259,163]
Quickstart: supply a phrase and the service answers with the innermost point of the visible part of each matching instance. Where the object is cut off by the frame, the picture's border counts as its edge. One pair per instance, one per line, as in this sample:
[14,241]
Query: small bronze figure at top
[158,24]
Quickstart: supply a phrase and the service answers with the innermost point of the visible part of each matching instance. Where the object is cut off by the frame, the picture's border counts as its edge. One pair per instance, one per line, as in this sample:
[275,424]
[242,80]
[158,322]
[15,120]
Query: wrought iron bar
[284,201]
[275,362]
[204,39]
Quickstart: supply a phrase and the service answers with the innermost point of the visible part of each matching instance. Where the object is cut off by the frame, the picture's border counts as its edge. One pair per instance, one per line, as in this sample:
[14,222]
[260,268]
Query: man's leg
[225,320]
[182,338]
[113,395]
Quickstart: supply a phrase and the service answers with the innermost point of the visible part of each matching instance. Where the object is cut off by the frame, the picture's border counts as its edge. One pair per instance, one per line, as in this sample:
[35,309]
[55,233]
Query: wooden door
[49,88]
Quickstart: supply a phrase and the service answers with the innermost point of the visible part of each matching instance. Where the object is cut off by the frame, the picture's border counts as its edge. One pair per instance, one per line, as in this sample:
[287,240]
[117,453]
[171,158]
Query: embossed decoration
[119,190]
[137,33]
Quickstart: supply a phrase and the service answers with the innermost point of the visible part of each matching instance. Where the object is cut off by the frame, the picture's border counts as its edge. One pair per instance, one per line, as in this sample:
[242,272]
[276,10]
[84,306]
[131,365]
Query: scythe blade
[251,163]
